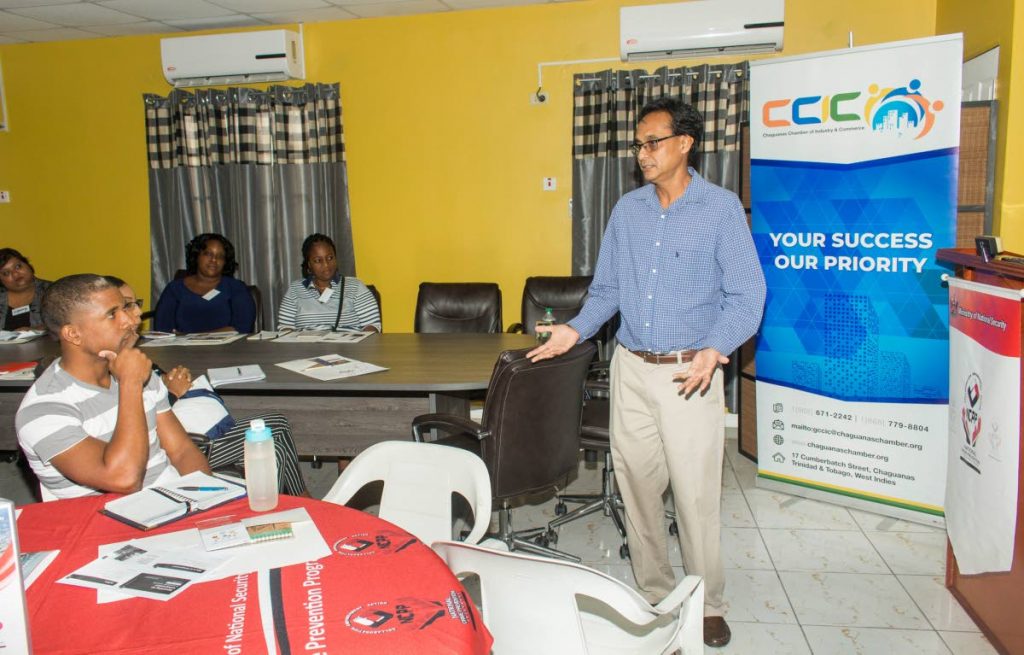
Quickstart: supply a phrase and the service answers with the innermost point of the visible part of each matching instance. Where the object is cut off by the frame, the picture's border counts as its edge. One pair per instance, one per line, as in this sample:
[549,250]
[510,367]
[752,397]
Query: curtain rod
[541,97]
[739,73]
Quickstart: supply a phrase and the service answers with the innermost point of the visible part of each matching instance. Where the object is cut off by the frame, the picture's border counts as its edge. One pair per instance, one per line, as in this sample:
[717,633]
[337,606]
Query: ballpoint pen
[202,488]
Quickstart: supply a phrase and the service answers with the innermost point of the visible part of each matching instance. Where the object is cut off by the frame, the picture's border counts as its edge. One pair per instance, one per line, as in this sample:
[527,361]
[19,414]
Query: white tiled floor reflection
[802,577]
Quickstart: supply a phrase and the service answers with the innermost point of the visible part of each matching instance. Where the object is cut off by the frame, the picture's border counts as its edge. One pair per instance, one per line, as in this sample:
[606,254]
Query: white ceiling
[25,21]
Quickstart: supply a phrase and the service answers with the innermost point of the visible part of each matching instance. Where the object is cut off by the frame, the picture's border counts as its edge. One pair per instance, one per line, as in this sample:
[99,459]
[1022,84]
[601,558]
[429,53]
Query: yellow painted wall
[445,152]
[986,24]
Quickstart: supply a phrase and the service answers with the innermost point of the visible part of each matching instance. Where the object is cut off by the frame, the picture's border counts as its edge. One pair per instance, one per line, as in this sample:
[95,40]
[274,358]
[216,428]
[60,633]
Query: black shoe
[716,632]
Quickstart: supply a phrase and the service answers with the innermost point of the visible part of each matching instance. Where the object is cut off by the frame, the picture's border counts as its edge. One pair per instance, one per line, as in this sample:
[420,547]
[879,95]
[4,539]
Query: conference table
[425,373]
[379,591]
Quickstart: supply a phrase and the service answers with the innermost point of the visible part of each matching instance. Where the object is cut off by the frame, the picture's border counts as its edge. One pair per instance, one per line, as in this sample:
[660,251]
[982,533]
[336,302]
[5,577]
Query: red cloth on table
[380,591]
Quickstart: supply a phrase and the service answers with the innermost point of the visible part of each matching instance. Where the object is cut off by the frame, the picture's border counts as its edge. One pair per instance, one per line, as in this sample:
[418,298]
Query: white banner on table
[984,425]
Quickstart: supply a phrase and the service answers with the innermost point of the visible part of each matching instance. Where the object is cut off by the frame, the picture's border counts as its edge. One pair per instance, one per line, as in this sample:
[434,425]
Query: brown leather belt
[683,357]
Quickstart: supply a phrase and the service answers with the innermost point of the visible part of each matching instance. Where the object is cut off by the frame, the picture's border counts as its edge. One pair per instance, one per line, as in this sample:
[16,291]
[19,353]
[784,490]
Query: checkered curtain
[263,167]
[279,125]
[605,109]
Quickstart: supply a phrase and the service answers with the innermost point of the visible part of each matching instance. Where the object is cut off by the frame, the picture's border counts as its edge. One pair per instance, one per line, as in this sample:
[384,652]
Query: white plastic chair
[540,605]
[419,479]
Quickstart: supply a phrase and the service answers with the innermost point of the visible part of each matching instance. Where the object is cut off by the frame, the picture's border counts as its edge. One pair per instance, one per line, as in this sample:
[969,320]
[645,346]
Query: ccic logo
[970,414]
[884,109]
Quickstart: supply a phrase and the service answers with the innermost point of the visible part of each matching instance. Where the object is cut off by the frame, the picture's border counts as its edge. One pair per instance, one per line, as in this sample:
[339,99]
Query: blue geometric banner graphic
[853,184]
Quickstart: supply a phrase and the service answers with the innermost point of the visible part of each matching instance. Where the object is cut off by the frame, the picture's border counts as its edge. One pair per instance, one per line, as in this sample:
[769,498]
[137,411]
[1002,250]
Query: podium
[994,600]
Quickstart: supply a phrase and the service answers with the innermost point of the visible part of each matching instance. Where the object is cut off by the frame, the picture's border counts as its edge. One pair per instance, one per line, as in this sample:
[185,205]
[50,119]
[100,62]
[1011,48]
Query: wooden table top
[415,362]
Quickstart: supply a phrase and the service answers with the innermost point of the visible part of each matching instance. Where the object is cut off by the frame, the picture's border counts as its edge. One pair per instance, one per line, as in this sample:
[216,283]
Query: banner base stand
[887,511]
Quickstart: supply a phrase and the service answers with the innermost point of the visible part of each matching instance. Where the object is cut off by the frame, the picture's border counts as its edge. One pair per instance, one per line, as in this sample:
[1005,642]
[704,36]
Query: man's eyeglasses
[652,145]
[138,302]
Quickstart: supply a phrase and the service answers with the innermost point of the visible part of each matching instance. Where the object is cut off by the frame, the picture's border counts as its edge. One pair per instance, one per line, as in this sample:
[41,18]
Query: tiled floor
[801,576]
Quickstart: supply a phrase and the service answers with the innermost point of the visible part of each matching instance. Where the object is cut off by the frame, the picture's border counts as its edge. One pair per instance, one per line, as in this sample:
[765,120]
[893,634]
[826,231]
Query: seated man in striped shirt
[97,419]
[323,299]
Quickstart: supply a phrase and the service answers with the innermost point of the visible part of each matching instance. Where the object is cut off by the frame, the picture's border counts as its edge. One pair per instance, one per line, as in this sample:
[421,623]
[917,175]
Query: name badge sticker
[18,311]
[211,294]
[326,295]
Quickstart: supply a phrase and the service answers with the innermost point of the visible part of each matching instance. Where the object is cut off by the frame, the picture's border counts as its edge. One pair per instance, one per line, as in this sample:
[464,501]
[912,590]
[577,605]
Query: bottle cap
[258,431]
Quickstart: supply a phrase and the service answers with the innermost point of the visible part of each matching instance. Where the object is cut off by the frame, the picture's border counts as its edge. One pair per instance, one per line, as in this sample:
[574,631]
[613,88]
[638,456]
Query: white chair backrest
[539,605]
[419,479]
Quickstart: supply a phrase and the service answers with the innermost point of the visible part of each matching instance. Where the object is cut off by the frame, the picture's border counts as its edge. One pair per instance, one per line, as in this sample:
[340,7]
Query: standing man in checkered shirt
[678,263]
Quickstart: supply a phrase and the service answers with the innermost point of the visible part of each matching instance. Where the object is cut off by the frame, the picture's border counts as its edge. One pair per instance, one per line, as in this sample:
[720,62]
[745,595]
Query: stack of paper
[19,336]
[235,374]
[330,367]
[18,371]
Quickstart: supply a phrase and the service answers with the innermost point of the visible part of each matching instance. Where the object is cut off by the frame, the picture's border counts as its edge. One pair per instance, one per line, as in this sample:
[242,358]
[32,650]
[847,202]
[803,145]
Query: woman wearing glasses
[202,411]
[324,299]
[208,298]
[22,292]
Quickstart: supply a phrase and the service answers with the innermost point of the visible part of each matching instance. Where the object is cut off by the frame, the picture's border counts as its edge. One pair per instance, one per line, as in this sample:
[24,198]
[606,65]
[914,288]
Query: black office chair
[594,438]
[563,295]
[380,309]
[458,307]
[528,436]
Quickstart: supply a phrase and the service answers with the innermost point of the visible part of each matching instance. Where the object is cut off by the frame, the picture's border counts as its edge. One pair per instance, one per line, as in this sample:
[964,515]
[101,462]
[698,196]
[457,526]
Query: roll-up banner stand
[853,189]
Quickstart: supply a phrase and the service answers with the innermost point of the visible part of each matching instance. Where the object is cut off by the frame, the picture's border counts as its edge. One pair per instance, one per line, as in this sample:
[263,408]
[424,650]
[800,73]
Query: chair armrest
[447,422]
[517,328]
[202,442]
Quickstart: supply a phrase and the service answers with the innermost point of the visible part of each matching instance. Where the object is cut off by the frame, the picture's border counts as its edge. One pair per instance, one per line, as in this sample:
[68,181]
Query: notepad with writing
[160,505]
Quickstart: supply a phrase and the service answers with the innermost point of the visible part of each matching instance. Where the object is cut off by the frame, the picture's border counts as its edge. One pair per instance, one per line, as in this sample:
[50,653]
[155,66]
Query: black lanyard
[341,302]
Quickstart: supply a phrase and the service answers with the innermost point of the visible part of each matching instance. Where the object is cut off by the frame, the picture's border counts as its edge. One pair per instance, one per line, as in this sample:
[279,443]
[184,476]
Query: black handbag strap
[341,303]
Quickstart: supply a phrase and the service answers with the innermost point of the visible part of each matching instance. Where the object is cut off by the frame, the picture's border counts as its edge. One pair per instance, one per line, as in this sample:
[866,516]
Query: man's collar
[695,191]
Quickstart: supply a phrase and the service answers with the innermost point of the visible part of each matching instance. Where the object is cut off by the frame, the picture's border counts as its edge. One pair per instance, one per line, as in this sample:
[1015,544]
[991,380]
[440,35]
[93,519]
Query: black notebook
[166,503]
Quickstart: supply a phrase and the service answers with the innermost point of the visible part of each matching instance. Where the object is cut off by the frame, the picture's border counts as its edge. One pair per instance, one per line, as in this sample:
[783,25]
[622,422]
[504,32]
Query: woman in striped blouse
[323,299]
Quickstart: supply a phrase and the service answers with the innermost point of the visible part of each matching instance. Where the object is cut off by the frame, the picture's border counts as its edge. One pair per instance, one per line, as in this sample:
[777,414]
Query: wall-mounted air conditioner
[238,58]
[700,28]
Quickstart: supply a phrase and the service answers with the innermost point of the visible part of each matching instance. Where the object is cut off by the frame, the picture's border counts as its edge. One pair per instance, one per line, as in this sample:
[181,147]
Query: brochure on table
[14,635]
[136,571]
[330,367]
[322,336]
[198,339]
[18,371]
[307,545]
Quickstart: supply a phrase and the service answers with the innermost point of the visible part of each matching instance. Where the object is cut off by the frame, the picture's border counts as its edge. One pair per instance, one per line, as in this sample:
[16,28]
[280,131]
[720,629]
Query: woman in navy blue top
[208,298]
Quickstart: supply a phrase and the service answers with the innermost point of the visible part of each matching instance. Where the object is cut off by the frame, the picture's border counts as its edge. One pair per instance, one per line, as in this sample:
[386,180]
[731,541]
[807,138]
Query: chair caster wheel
[624,551]
[551,537]
[560,508]
[673,528]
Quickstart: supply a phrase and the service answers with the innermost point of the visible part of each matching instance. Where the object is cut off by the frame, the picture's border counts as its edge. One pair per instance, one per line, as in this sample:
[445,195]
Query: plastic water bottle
[548,319]
[260,467]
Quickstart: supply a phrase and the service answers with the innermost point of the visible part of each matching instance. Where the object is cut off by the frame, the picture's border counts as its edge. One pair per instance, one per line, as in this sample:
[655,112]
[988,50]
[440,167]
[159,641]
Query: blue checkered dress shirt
[686,277]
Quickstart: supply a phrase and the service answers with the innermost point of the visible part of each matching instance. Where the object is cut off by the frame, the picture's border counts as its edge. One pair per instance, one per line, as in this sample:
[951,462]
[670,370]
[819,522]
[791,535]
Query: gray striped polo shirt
[59,411]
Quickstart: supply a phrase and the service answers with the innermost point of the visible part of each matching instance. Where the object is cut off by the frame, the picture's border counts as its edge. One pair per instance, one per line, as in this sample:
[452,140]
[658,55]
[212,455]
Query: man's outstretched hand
[562,339]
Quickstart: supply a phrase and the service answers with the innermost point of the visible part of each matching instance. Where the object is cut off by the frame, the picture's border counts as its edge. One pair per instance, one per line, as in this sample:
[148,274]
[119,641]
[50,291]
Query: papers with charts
[33,564]
[133,570]
[19,336]
[197,339]
[307,545]
[235,375]
[323,336]
[330,367]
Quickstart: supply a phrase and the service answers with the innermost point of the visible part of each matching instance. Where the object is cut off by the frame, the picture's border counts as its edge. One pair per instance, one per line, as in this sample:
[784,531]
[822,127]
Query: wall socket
[5,196]
[549,184]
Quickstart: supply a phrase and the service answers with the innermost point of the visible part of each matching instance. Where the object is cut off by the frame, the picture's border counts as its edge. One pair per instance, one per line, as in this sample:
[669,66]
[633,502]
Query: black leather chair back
[533,413]
[257,299]
[380,309]
[458,307]
[564,295]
